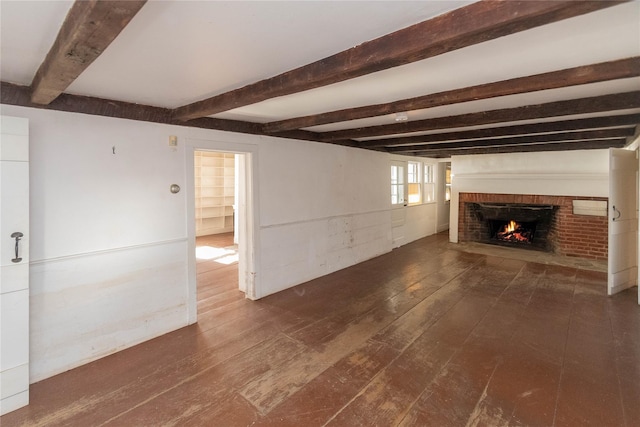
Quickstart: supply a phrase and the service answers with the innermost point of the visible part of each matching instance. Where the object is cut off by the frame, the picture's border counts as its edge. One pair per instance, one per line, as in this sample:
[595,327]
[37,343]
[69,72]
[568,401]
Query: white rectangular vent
[590,207]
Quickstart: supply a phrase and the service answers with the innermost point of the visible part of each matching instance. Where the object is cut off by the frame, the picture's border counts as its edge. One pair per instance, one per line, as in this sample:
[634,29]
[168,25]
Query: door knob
[17,235]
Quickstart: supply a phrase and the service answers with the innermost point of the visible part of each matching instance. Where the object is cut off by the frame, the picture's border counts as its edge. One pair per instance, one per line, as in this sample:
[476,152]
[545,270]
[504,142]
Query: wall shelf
[214,192]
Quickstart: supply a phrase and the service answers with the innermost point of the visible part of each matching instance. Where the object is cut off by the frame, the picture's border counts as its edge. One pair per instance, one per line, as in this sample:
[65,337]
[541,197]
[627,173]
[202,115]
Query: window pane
[428,173]
[414,193]
[429,192]
[413,172]
[397,194]
[447,189]
[397,187]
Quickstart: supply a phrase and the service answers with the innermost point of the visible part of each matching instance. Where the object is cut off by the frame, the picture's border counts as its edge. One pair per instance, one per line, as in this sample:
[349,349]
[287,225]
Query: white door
[623,220]
[14,263]
[398,202]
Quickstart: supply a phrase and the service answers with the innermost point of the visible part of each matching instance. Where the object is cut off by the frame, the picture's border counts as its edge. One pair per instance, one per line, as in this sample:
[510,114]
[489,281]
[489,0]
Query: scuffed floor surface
[423,336]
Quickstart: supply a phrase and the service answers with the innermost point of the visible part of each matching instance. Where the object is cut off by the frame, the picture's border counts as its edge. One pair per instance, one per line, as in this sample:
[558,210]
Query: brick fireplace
[564,233]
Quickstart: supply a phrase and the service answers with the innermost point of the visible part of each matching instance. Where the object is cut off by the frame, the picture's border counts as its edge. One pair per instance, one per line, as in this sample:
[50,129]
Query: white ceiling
[177,52]
[597,37]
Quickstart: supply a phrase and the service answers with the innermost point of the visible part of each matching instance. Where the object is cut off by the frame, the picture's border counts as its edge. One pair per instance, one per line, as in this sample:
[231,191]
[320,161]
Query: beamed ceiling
[430,79]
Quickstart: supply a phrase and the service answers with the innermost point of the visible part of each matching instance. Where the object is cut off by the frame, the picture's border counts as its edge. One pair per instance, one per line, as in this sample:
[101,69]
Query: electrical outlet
[173,141]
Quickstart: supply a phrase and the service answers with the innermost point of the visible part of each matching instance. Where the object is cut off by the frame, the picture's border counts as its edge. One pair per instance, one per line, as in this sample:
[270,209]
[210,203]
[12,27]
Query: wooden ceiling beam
[531,139]
[605,71]
[536,128]
[90,26]
[596,104]
[466,26]
[11,94]
[561,146]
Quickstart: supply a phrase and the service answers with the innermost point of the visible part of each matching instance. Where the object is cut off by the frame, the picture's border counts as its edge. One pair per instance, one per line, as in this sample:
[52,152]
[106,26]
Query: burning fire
[514,232]
[511,227]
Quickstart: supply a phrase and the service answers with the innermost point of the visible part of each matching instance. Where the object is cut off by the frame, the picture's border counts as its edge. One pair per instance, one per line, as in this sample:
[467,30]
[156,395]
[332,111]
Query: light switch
[173,141]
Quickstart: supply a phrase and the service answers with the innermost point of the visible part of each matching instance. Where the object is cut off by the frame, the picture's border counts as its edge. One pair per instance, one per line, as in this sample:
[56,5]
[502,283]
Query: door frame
[248,243]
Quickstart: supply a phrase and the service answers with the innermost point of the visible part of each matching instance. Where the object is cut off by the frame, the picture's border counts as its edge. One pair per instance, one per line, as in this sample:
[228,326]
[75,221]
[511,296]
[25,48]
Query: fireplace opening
[512,231]
[559,227]
[513,224]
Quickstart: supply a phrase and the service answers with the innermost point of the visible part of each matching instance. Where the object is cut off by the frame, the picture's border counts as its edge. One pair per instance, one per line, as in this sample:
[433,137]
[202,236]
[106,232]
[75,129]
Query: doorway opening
[222,224]
[216,191]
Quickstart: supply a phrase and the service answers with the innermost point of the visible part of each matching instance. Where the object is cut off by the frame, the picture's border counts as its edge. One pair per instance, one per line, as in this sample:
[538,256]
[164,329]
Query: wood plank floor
[423,336]
[217,271]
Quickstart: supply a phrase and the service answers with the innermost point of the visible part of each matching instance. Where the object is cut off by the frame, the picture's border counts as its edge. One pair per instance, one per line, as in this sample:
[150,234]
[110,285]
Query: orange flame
[511,227]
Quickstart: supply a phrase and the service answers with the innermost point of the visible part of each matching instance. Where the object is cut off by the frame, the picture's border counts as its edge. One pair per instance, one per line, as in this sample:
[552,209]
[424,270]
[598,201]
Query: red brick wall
[572,235]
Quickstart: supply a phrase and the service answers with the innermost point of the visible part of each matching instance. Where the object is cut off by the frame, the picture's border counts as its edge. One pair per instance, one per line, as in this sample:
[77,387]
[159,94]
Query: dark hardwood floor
[423,336]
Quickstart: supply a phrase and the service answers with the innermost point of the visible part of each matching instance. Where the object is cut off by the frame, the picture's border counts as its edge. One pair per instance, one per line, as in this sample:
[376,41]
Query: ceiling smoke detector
[401,117]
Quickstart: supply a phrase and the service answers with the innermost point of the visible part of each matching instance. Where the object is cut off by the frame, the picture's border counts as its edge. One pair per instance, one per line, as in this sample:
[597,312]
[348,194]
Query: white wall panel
[14,147]
[14,214]
[14,350]
[303,181]
[87,306]
[421,221]
[322,208]
[14,388]
[87,199]
[298,252]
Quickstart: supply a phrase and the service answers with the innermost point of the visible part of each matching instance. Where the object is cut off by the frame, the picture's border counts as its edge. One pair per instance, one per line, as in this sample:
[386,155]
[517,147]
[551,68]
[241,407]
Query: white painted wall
[108,239]
[562,173]
[322,208]
[420,221]
[110,246]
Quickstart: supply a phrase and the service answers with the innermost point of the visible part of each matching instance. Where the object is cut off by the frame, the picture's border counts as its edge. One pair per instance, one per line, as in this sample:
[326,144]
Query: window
[413,181]
[429,184]
[397,185]
[447,182]
[420,181]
